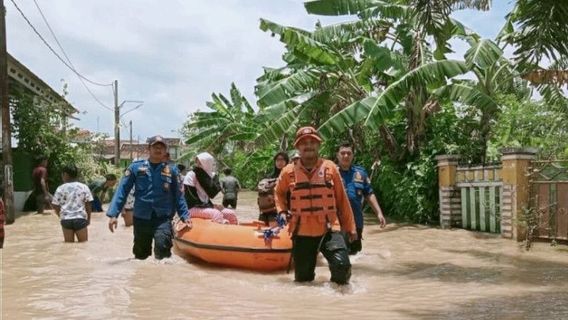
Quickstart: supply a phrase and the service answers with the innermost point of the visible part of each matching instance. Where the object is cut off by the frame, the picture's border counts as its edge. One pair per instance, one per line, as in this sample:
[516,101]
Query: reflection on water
[404,272]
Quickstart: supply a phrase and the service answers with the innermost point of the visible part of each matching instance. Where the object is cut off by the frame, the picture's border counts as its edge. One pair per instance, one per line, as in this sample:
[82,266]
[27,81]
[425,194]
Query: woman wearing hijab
[201,185]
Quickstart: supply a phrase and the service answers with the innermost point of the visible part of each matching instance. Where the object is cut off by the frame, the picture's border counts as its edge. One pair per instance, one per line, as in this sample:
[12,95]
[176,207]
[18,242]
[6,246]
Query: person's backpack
[265,198]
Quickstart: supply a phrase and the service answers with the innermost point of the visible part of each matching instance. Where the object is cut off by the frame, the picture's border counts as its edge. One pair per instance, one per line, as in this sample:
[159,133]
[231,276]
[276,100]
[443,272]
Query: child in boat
[201,184]
[72,203]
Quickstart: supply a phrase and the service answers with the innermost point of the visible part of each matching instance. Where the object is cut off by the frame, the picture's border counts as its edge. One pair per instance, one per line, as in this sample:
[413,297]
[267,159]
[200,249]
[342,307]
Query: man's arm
[372,201]
[344,211]
[56,202]
[88,208]
[281,191]
[88,203]
[43,181]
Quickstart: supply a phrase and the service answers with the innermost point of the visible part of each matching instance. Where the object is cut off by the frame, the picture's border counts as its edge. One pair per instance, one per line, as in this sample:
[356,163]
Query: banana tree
[228,123]
[403,87]
[494,76]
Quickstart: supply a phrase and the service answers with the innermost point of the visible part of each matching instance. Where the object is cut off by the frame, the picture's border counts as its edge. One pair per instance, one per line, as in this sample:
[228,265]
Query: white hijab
[207,163]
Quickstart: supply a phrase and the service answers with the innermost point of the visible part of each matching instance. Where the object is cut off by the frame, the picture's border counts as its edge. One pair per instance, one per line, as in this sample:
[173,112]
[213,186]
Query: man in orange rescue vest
[317,201]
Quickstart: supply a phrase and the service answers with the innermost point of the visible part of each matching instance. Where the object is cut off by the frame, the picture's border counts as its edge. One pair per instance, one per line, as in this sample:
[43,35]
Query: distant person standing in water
[72,203]
[99,190]
[230,187]
[40,197]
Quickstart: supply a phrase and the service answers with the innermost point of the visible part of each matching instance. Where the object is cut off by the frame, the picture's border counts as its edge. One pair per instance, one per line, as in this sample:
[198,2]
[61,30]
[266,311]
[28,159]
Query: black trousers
[267,217]
[230,202]
[157,229]
[332,245]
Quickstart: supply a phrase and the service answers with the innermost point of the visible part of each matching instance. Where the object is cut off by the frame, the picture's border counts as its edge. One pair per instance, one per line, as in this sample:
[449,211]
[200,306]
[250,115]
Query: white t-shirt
[130,201]
[71,197]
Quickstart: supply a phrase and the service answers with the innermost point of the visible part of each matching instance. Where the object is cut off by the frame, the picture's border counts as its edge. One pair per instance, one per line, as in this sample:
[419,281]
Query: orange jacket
[313,212]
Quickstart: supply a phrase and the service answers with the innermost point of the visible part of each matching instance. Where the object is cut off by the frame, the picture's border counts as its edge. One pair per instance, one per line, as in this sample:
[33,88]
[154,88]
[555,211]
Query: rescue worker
[158,195]
[317,201]
[358,187]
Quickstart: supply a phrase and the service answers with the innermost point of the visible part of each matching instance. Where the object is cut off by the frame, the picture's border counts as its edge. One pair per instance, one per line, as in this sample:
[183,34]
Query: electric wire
[53,51]
[63,61]
[69,60]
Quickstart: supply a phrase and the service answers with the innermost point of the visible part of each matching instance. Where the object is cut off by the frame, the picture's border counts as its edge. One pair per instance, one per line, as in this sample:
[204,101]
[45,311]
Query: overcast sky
[170,54]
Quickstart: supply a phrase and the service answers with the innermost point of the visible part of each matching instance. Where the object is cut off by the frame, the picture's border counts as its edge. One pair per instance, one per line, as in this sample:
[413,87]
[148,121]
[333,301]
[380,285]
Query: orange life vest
[312,196]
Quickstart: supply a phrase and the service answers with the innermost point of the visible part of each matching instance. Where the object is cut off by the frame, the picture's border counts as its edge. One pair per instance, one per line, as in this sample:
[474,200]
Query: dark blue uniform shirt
[357,186]
[158,190]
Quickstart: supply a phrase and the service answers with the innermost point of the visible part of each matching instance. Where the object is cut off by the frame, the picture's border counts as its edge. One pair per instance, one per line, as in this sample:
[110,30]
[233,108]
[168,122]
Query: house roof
[18,72]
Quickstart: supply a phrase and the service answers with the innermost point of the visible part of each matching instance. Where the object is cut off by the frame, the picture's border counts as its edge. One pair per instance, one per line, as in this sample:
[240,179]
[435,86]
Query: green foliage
[42,131]
[534,28]
[531,124]
[383,83]
[409,193]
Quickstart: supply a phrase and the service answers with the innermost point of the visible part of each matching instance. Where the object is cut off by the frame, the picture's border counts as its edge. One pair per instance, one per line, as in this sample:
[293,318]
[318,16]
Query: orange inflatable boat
[241,246]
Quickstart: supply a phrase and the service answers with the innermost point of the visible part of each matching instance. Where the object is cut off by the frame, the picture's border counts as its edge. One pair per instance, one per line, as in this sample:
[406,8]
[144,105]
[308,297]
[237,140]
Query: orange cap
[305,132]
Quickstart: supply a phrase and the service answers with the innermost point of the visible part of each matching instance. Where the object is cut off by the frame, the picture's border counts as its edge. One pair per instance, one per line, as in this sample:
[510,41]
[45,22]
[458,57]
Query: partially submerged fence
[480,197]
[490,198]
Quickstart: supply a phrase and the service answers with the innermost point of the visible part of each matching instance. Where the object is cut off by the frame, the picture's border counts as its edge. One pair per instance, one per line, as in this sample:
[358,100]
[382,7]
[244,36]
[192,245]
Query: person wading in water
[358,187]
[317,201]
[158,195]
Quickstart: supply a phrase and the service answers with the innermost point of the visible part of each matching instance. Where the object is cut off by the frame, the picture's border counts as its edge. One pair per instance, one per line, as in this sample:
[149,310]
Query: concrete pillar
[450,205]
[515,175]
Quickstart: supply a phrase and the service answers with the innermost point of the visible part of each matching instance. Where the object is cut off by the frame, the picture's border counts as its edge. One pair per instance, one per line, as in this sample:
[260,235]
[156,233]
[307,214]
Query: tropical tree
[534,29]
[230,123]
[378,81]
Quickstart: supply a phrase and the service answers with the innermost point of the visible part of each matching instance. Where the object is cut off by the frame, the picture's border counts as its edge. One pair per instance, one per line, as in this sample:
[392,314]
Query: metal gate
[549,198]
[481,206]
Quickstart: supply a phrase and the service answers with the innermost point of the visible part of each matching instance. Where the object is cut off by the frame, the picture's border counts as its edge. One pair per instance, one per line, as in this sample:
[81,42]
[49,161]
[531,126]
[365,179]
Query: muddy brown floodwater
[404,272]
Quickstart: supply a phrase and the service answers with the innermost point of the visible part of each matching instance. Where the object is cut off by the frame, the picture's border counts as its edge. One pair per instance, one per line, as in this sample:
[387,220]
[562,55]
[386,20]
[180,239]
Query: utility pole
[131,147]
[6,132]
[116,126]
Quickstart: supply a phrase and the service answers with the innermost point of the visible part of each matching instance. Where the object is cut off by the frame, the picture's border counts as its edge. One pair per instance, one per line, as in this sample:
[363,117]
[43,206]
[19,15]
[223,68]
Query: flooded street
[404,272]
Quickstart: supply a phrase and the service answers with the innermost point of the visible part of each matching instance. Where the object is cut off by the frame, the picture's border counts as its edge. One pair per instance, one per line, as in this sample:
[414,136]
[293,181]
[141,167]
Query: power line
[53,51]
[67,57]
